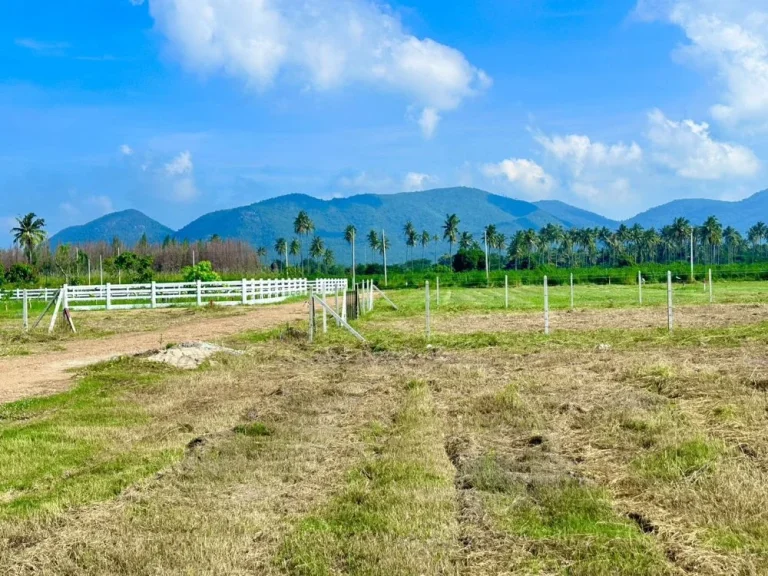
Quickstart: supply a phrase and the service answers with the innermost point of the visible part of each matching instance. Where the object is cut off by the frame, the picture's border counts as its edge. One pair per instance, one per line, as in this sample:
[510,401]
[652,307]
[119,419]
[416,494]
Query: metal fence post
[25,313]
[670,314]
[571,290]
[711,295]
[426,304]
[546,306]
[640,287]
[506,291]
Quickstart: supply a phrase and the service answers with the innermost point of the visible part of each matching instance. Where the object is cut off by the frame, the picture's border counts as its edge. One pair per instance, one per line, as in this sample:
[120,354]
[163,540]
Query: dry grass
[324,460]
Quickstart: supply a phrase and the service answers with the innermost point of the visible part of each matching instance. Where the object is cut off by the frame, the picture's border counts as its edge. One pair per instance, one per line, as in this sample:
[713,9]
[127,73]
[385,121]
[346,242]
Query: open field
[597,450]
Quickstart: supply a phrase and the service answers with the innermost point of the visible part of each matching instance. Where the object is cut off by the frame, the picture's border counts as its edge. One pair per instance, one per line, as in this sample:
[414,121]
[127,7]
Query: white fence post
[670,316]
[109,296]
[325,314]
[25,313]
[437,288]
[506,291]
[199,287]
[65,301]
[546,306]
[344,305]
[153,295]
[640,287]
[571,290]
[426,304]
[711,295]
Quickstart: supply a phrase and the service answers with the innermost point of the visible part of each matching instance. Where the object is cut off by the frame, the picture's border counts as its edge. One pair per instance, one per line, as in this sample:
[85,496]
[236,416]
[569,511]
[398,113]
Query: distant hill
[262,223]
[576,217]
[128,225]
[741,215]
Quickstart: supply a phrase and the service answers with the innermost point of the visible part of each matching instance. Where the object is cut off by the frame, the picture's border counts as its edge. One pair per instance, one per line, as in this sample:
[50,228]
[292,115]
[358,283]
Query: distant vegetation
[592,252]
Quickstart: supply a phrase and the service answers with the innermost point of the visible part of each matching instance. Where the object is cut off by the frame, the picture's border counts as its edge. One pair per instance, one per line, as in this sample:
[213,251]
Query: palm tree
[466,242]
[303,226]
[733,241]
[712,233]
[681,232]
[383,247]
[435,241]
[500,243]
[294,248]
[328,259]
[410,239]
[317,247]
[349,235]
[29,233]
[451,233]
[261,252]
[373,240]
[424,241]
[281,247]
[517,247]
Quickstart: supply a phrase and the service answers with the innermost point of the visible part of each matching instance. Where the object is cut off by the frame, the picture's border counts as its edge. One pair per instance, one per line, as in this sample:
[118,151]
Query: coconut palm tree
[29,233]
[349,235]
[424,240]
[303,226]
[500,243]
[294,248]
[373,240]
[328,259]
[466,242]
[733,241]
[410,238]
[435,241]
[261,252]
[316,248]
[712,234]
[281,247]
[451,232]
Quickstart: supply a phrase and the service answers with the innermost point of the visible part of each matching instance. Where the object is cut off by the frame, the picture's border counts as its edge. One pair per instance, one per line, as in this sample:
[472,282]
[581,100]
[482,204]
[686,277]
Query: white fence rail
[164,295]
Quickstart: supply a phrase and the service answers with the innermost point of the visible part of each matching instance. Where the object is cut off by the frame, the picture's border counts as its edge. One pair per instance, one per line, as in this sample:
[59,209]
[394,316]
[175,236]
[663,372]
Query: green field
[611,447]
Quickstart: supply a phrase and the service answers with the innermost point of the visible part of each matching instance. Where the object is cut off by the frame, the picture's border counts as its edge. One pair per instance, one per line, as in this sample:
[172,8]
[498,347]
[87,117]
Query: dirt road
[48,372]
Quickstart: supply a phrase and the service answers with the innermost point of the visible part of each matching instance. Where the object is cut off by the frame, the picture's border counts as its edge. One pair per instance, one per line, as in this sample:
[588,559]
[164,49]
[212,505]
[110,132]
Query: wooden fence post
[311,306]
[546,306]
[244,290]
[199,293]
[325,314]
[109,296]
[153,295]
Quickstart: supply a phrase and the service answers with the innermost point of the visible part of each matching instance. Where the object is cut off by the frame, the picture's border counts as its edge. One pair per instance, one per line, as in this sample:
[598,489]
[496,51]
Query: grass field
[599,450]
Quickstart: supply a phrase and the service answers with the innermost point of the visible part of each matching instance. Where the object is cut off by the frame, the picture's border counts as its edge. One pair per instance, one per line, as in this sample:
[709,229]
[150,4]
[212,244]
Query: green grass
[531,298]
[571,525]
[79,446]
[679,461]
[396,514]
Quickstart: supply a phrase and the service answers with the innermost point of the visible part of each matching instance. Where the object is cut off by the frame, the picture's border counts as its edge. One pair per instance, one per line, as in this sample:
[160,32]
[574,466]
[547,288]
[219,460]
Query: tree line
[307,252]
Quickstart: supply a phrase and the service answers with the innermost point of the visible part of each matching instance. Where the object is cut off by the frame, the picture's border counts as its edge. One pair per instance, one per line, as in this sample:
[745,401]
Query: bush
[21,274]
[202,271]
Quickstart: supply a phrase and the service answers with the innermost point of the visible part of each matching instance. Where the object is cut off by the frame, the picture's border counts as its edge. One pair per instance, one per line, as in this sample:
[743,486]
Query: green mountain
[128,225]
[576,217]
[741,214]
[262,223]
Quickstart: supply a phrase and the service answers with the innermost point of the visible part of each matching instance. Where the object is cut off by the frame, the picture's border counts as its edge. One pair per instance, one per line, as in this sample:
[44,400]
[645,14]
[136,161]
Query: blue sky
[180,107]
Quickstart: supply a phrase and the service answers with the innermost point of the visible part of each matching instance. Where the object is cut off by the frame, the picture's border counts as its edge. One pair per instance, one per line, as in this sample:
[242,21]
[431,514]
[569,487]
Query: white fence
[164,295]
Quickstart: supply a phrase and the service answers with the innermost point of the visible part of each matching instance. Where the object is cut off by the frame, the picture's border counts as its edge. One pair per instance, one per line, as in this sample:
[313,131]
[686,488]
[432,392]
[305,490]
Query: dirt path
[47,372]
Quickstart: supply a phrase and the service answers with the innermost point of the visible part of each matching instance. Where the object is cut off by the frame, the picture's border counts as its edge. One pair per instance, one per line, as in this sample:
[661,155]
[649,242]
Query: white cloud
[364,182]
[136,2]
[69,209]
[39,46]
[322,44]
[604,193]
[417,181]
[126,150]
[185,190]
[579,153]
[687,148]
[180,165]
[730,36]
[102,203]
[428,122]
[527,175]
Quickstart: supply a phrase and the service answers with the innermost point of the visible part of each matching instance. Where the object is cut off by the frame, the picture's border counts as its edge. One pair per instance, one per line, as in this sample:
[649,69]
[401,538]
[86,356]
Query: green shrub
[202,271]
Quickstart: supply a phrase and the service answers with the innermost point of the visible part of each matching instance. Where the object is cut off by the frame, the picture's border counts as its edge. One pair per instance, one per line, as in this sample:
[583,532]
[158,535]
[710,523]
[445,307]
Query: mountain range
[260,224]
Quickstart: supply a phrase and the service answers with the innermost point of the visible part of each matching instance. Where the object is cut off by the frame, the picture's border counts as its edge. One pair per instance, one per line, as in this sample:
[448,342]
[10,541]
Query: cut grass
[79,446]
[679,461]
[396,514]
